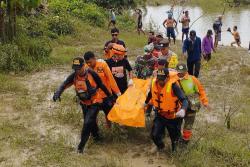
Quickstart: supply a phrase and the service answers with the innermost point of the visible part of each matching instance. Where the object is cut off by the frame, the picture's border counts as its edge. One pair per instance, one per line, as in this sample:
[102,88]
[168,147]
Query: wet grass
[51,139]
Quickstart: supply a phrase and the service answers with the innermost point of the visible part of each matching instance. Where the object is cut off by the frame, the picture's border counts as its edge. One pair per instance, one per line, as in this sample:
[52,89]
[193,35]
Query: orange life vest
[165,101]
[81,85]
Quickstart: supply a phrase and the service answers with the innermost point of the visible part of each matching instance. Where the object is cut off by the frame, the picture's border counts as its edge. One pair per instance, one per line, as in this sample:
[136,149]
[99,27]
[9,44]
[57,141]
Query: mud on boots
[87,85]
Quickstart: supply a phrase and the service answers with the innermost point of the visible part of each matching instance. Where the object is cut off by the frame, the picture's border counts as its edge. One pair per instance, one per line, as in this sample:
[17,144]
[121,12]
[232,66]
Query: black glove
[56,96]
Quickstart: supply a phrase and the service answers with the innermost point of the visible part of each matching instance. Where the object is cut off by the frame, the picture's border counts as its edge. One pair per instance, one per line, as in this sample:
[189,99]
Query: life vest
[86,86]
[189,86]
[191,90]
[166,103]
[169,23]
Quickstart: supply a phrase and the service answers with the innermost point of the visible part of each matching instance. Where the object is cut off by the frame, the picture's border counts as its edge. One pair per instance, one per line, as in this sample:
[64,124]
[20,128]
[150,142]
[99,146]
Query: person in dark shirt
[170,105]
[192,50]
[139,21]
[88,86]
[109,44]
[119,67]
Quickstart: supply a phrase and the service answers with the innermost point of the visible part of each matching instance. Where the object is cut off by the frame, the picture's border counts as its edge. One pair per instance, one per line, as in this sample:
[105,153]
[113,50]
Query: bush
[24,55]
[61,25]
[126,22]
[89,12]
[86,11]
[10,58]
[59,6]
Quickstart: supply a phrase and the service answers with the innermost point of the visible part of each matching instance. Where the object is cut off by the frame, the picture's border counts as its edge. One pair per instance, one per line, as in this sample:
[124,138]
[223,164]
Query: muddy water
[239,17]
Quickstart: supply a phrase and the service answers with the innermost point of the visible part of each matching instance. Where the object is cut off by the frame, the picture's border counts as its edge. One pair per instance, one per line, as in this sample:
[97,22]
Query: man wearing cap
[115,40]
[195,94]
[192,50]
[168,55]
[185,20]
[87,85]
[170,105]
[103,71]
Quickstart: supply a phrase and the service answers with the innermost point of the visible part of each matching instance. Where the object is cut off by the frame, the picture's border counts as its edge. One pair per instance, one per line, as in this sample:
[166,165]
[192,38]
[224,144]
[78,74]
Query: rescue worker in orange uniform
[195,94]
[87,85]
[170,105]
[102,69]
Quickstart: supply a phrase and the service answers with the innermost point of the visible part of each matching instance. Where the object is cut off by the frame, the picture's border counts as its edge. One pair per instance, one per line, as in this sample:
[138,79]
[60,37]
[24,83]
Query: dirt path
[37,131]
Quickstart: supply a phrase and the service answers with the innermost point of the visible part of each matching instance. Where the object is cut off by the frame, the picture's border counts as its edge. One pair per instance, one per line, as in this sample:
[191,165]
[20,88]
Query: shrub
[125,21]
[61,25]
[10,58]
[24,54]
[59,6]
[90,13]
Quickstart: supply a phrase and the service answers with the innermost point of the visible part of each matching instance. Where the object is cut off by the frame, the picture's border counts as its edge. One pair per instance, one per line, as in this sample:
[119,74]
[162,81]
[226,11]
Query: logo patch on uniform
[160,72]
[76,62]
[100,70]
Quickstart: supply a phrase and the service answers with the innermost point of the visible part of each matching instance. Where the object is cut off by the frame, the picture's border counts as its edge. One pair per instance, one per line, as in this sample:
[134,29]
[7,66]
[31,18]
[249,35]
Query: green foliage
[125,21]
[118,4]
[24,55]
[60,25]
[86,11]
[92,13]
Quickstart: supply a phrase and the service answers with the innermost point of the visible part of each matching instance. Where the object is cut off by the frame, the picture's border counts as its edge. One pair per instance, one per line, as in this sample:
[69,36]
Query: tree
[8,14]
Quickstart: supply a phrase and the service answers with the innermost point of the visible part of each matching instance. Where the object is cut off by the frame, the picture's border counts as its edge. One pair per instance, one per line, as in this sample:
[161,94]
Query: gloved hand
[56,96]
[180,113]
[130,82]
[118,94]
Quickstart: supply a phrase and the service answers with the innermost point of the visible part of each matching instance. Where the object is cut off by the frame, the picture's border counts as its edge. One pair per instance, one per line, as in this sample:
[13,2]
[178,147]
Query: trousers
[194,68]
[174,129]
[90,124]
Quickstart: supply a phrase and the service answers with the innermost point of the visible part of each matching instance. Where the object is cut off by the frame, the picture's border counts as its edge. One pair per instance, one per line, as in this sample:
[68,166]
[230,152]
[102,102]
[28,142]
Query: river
[241,18]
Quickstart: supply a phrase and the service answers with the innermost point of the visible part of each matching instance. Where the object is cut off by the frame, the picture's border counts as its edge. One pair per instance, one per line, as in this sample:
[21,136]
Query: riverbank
[37,132]
[34,131]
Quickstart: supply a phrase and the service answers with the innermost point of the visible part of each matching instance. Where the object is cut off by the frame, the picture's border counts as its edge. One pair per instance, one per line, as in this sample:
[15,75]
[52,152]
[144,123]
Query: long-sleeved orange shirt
[106,76]
[202,93]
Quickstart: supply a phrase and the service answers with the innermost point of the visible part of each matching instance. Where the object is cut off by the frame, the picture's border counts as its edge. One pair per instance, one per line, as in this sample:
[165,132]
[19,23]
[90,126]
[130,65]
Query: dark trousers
[90,125]
[207,57]
[174,129]
[106,106]
[194,68]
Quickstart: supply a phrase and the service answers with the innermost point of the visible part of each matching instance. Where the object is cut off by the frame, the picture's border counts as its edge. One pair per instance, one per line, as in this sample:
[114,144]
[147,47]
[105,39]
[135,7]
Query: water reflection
[241,18]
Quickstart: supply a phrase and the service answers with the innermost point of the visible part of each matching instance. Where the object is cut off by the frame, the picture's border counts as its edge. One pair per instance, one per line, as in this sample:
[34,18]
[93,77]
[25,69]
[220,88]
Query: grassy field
[34,131]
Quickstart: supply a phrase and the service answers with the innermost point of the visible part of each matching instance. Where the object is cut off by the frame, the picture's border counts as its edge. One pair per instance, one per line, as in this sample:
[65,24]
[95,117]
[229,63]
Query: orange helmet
[118,50]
